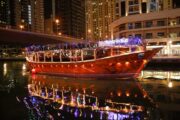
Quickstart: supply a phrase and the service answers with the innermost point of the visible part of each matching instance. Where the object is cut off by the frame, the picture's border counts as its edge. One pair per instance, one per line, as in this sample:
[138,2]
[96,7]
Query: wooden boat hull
[127,65]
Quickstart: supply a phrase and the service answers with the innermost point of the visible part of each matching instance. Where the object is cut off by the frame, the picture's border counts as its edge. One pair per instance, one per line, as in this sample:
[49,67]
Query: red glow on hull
[129,65]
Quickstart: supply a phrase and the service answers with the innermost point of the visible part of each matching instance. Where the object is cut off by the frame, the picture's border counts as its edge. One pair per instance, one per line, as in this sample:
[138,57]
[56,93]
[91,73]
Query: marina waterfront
[154,95]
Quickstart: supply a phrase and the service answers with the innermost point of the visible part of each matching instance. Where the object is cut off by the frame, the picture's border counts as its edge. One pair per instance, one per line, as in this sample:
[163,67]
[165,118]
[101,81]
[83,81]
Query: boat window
[162,43]
[103,53]
[88,54]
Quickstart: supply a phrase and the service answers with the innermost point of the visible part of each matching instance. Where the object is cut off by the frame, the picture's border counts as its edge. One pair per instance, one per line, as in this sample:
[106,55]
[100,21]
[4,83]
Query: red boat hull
[128,65]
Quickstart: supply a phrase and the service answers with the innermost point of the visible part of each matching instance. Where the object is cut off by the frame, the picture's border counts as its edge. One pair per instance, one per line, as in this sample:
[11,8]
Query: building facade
[5,15]
[22,14]
[156,21]
[99,14]
[70,18]
[31,15]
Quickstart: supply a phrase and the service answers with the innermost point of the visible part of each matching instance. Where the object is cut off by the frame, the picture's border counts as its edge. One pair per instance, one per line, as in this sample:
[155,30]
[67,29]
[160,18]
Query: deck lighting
[33,70]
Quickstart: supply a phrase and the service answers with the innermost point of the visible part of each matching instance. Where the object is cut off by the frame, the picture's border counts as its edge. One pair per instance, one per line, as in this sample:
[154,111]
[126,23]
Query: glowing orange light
[135,61]
[75,65]
[118,64]
[127,63]
[145,96]
[92,65]
[68,66]
[127,94]
[33,70]
[84,91]
[144,61]
[119,94]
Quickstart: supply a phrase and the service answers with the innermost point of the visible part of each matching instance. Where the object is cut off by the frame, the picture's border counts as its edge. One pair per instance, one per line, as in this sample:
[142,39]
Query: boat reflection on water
[84,98]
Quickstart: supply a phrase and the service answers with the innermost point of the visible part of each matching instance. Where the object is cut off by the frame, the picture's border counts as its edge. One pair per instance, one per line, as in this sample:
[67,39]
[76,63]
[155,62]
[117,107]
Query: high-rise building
[49,17]
[22,14]
[32,15]
[99,14]
[156,21]
[5,12]
[70,17]
[36,14]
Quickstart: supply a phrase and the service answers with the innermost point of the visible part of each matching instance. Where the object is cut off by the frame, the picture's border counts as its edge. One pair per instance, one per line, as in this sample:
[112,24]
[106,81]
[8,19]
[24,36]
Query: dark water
[155,95]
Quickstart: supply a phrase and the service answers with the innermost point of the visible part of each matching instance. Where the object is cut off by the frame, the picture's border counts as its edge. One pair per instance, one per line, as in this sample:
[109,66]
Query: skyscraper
[4,12]
[71,16]
[99,14]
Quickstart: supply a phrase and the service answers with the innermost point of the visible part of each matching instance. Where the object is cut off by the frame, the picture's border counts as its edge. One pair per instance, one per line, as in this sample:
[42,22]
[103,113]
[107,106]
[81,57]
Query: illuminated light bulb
[144,61]
[107,107]
[118,64]
[127,63]
[24,67]
[33,70]
[62,101]
[84,91]
[127,94]
[119,94]
[92,65]
[75,65]
[170,85]
[135,61]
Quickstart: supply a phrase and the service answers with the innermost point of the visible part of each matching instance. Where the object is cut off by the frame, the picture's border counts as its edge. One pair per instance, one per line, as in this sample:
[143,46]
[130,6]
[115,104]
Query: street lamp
[21,27]
[57,23]
[89,34]
[59,33]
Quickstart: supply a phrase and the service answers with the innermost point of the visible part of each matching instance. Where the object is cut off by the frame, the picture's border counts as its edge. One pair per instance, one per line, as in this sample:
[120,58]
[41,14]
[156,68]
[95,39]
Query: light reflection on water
[89,98]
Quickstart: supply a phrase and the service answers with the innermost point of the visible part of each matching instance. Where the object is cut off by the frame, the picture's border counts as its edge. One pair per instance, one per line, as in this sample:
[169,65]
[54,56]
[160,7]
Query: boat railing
[74,55]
